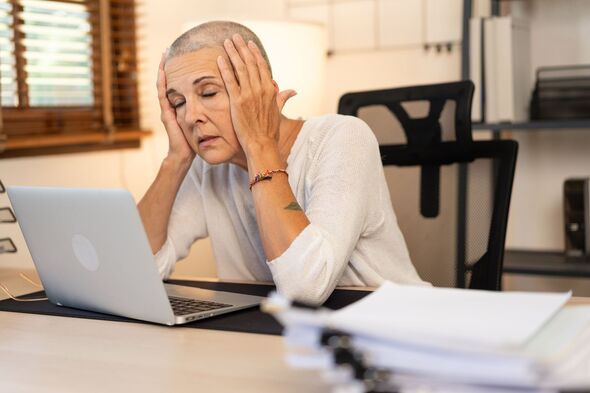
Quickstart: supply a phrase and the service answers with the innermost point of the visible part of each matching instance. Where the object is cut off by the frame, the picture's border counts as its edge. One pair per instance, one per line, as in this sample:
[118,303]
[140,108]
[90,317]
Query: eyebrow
[195,82]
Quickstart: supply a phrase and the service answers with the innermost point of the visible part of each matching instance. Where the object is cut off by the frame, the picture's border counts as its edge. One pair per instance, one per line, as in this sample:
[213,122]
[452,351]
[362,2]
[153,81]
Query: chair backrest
[451,193]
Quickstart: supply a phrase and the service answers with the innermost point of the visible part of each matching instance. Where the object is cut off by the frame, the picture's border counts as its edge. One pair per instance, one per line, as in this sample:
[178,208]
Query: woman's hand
[179,148]
[255,103]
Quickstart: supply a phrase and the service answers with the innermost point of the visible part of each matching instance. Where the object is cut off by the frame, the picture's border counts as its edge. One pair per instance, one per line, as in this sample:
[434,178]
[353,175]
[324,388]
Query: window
[68,75]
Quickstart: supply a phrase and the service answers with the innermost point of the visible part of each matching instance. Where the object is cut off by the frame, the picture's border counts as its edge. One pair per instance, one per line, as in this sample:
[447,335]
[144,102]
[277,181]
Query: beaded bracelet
[266,175]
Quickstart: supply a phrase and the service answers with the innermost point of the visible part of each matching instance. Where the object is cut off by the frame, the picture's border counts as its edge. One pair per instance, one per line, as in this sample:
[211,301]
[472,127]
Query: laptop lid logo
[85,253]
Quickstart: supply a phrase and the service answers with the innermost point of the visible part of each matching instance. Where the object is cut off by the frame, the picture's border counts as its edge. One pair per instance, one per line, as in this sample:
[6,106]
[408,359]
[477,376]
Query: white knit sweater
[336,175]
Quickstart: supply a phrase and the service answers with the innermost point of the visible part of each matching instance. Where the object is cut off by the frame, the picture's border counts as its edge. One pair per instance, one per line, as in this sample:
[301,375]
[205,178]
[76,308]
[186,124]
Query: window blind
[57,53]
[123,26]
[67,67]
[8,85]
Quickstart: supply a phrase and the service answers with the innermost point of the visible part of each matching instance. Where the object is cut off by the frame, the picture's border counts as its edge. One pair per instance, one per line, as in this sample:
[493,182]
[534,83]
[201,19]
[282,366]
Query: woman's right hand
[179,148]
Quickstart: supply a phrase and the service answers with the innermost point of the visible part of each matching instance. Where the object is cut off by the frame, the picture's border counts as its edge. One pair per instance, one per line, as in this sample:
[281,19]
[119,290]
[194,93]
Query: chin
[215,158]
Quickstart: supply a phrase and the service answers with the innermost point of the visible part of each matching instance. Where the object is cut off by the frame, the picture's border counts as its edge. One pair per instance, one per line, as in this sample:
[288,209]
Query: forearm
[280,219]
[156,205]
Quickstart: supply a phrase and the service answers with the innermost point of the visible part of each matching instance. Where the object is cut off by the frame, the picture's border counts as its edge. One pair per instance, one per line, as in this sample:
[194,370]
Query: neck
[288,131]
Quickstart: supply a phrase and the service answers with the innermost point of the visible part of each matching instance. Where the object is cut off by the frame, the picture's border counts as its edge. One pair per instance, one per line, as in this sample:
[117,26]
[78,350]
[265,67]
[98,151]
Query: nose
[195,112]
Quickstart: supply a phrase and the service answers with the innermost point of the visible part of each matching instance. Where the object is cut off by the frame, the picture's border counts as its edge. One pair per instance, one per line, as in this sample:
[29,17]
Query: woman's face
[197,92]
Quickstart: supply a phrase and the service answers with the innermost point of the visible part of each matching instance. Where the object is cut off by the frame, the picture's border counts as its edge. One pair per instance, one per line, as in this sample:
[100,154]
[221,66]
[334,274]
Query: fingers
[249,60]
[263,69]
[161,80]
[283,97]
[252,72]
[238,64]
[228,76]
[167,112]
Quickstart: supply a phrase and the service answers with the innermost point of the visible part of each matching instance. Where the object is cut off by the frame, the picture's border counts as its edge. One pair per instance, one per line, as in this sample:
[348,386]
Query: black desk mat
[248,321]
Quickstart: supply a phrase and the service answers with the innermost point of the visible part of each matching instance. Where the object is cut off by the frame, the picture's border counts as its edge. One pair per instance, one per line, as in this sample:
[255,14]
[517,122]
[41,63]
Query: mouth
[206,140]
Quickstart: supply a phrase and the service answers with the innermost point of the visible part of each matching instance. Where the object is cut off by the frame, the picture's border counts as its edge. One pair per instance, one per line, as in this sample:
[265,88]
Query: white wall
[131,169]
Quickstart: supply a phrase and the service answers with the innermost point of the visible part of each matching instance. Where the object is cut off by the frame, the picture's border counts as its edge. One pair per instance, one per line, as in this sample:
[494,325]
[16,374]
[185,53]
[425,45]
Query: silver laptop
[92,253]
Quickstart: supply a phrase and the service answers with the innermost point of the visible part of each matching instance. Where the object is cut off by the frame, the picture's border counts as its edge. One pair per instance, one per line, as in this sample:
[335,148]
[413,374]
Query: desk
[55,354]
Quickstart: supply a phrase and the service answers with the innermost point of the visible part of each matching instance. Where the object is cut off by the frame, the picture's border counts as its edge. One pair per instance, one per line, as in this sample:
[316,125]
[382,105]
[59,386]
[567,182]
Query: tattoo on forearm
[293,206]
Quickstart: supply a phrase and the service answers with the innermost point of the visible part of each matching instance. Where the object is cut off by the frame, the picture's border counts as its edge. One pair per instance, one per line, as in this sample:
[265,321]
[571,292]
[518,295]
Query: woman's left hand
[255,102]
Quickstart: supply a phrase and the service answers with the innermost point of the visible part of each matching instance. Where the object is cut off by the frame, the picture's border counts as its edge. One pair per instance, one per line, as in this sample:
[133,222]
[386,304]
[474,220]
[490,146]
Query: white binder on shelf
[475,66]
[507,69]
[490,82]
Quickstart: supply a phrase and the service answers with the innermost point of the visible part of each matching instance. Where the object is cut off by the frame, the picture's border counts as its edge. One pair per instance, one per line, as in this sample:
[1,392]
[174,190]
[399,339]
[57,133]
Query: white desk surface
[55,354]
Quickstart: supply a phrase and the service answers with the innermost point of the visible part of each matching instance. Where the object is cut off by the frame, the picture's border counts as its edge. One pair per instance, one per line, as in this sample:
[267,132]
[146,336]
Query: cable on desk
[26,278]
[29,280]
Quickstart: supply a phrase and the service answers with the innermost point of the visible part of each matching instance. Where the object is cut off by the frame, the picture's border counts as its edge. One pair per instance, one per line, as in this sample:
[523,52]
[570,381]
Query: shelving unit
[544,263]
[535,125]
[583,124]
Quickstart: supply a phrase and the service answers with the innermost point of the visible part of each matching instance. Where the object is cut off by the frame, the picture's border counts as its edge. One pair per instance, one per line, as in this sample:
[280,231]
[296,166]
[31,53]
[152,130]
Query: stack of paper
[450,338]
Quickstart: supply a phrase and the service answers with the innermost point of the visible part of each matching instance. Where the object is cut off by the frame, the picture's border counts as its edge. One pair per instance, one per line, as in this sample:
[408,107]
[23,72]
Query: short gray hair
[212,35]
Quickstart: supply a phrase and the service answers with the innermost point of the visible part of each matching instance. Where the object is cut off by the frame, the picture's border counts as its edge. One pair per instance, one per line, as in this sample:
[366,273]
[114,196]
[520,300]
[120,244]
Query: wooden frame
[113,118]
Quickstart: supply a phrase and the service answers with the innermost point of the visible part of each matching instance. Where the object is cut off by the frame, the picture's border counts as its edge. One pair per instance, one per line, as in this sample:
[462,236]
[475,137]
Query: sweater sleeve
[346,167]
[186,225]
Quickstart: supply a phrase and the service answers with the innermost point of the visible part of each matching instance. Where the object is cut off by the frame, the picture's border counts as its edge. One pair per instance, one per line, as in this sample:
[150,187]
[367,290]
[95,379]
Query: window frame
[41,130]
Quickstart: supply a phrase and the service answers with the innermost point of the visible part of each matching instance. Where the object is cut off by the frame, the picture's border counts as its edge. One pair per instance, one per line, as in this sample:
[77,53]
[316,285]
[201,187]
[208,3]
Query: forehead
[187,67]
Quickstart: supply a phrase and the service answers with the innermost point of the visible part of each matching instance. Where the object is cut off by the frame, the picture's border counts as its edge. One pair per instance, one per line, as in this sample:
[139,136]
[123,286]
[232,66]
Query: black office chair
[454,193]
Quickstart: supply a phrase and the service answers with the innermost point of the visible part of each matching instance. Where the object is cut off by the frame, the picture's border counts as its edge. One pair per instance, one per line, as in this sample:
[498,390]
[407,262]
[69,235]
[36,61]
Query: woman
[304,204]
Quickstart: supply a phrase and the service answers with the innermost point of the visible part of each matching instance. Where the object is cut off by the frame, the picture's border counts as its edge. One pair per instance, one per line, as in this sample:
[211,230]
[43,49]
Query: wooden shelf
[34,145]
[545,263]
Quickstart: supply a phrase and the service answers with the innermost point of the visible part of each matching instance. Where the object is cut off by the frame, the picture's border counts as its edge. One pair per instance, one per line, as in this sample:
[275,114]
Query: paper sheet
[448,317]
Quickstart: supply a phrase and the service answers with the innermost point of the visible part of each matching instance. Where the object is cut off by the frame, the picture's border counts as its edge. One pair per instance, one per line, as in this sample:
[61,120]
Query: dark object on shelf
[561,93]
[576,216]
[2,188]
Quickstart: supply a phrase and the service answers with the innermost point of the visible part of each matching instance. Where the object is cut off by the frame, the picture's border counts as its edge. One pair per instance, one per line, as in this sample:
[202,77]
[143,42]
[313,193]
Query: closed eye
[209,94]
[177,104]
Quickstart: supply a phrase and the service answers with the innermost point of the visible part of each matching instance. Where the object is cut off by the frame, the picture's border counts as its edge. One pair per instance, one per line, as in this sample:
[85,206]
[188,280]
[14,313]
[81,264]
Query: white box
[475,66]
[490,82]
[507,69]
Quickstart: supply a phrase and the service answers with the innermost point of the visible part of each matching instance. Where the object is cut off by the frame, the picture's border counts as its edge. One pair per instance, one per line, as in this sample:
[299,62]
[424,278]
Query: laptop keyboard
[184,306]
